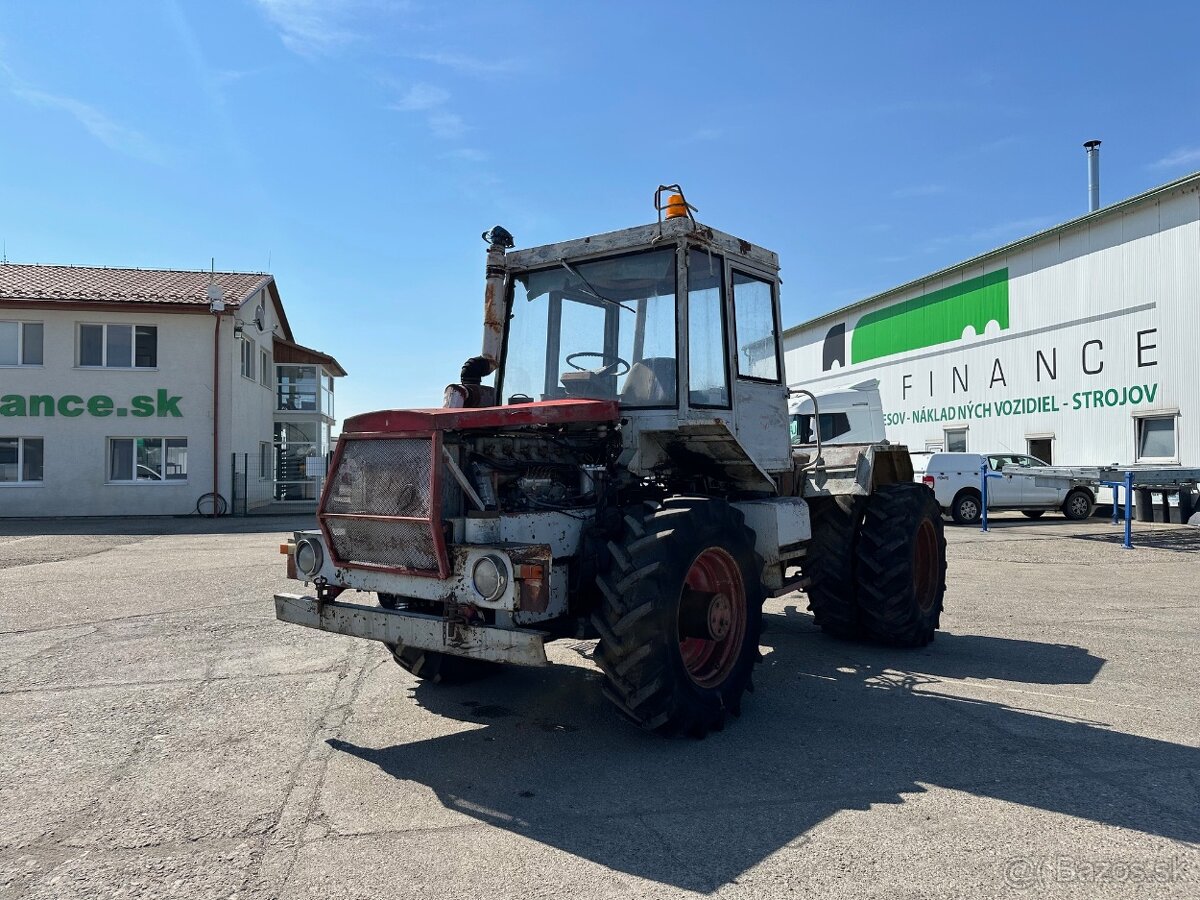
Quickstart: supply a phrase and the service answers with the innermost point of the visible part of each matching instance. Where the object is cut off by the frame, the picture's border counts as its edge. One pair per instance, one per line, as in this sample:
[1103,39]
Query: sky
[356,149]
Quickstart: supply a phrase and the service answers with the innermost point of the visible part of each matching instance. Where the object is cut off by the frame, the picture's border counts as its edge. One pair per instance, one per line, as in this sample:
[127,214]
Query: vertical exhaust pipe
[1093,156]
[498,240]
[470,391]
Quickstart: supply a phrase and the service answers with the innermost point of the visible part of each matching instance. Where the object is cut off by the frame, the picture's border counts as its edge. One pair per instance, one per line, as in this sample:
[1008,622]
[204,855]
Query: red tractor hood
[426,421]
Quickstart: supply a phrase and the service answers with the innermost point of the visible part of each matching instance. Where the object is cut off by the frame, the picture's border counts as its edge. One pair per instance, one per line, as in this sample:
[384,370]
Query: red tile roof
[89,284]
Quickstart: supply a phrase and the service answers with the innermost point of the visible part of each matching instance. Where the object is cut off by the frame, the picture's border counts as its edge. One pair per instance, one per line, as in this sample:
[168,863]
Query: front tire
[440,668]
[680,615]
[902,565]
[967,508]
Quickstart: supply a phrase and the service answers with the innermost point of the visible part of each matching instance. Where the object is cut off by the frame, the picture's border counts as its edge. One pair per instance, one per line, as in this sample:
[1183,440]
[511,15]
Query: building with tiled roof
[151,391]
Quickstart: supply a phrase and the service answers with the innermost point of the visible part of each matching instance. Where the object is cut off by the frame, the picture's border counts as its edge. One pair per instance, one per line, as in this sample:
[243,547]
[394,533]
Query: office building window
[956,440]
[20,460]
[118,346]
[20,343]
[249,354]
[147,460]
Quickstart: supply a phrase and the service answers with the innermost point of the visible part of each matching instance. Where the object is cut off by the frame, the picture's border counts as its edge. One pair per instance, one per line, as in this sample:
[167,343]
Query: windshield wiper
[591,290]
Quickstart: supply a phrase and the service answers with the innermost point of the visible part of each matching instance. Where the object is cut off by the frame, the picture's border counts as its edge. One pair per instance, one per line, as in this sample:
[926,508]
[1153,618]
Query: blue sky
[357,148]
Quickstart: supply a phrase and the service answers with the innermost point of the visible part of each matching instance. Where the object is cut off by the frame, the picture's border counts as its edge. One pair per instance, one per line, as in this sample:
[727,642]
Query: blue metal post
[983,491]
[984,475]
[1128,545]
[1116,489]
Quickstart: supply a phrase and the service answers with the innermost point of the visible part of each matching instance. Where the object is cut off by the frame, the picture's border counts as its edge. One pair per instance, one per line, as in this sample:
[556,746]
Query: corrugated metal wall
[1100,330]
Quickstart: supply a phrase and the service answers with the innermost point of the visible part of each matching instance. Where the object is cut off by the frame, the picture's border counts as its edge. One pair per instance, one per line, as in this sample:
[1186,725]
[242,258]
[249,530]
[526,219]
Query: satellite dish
[260,317]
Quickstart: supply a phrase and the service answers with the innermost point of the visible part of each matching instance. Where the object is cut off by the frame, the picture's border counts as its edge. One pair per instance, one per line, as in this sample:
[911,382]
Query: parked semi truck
[616,464]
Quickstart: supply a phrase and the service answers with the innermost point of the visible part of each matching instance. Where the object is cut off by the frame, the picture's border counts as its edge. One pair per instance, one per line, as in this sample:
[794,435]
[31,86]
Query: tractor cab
[675,321]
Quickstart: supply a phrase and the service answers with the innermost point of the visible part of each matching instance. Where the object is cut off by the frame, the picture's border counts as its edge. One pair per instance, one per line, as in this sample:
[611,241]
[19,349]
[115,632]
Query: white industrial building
[137,392]
[1077,345]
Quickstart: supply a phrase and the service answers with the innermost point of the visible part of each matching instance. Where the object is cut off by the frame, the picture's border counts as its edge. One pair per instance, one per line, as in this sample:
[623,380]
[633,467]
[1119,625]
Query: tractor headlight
[309,556]
[490,577]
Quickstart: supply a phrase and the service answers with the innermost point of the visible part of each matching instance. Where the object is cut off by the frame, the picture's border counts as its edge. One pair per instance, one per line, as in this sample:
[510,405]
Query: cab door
[759,392]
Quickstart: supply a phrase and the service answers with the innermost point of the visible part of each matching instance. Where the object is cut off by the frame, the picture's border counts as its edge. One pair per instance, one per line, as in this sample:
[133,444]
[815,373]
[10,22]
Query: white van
[853,416]
[954,479]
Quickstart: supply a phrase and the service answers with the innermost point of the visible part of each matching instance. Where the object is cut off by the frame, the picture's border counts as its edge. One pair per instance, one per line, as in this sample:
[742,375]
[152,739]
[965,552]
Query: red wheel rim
[709,662]
[925,565]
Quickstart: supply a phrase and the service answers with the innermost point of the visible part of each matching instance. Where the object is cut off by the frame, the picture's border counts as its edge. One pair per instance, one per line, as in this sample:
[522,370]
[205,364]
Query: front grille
[383,478]
[382,543]
[379,510]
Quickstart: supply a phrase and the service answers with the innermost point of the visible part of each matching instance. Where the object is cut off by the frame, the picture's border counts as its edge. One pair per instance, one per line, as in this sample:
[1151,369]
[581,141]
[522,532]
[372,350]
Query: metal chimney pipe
[1093,154]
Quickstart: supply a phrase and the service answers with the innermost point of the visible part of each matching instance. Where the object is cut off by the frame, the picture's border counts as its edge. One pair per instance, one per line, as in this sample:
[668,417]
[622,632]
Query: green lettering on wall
[931,319]
[142,406]
[12,405]
[100,405]
[41,405]
[168,406]
[70,405]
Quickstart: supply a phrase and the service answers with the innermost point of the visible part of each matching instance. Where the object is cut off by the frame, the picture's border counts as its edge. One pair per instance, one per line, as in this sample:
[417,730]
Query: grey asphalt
[161,735]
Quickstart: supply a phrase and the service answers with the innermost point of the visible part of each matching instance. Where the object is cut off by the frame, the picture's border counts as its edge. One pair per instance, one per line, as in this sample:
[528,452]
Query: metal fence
[272,486]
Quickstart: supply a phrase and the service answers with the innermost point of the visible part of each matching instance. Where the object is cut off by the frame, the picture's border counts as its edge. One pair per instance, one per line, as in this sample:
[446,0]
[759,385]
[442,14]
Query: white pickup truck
[954,478]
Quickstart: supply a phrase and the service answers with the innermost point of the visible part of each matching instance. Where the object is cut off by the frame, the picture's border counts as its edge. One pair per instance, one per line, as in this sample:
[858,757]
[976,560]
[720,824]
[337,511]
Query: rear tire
[687,560]
[967,508]
[829,565]
[1033,513]
[1079,505]
[901,565]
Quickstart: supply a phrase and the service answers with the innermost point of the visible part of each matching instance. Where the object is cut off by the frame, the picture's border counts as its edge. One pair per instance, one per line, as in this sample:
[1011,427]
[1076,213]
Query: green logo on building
[932,319]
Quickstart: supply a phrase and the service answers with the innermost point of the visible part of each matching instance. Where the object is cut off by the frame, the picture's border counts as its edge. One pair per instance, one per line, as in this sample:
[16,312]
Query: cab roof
[644,237]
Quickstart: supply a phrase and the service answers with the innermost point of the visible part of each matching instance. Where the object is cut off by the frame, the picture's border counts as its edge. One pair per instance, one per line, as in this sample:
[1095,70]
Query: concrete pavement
[161,735]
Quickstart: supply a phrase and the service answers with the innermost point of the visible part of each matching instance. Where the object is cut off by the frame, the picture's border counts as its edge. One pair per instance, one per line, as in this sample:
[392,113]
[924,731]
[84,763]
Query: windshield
[603,329]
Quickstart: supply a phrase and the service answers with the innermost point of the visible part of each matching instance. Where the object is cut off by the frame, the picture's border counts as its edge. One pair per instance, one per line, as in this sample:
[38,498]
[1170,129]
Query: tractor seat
[650,382]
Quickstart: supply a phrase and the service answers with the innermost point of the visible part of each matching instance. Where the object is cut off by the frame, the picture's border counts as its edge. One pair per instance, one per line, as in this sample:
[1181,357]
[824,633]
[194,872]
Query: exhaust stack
[1093,156]
[498,240]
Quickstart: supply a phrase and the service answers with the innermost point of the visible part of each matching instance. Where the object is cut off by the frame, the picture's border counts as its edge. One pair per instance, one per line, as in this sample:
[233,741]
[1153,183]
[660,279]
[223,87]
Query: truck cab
[852,416]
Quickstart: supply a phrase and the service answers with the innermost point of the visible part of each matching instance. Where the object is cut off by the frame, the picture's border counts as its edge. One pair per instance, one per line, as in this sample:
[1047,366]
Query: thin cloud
[1184,156]
[469,65]
[447,125]
[918,190]
[1002,232]
[469,154]
[110,133]
[420,97]
[309,27]
[431,100]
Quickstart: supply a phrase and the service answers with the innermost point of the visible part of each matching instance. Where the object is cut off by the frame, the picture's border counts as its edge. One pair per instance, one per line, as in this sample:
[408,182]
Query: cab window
[754,323]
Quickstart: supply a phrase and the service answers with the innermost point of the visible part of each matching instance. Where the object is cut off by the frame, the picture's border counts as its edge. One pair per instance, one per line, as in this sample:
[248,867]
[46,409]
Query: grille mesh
[383,478]
[386,477]
[401,545]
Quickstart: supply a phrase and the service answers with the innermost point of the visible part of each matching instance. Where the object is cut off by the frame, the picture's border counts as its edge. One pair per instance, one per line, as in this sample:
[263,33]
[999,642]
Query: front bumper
[518,646]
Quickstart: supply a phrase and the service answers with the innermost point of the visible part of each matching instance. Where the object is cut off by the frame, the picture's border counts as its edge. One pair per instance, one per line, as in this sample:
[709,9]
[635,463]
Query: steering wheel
[614,365]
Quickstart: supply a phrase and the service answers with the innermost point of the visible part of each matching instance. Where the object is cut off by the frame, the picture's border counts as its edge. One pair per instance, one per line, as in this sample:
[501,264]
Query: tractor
[616,465]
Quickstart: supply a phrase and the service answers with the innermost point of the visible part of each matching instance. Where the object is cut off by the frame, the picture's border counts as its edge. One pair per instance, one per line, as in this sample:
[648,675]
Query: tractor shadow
[833,726]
